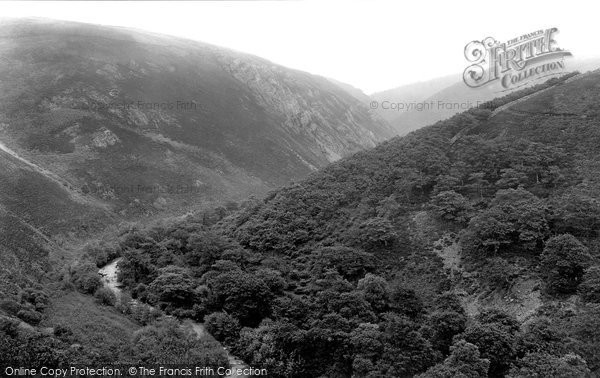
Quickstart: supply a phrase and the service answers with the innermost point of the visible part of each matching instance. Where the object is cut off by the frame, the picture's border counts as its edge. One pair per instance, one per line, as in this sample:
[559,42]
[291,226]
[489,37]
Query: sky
[373,45]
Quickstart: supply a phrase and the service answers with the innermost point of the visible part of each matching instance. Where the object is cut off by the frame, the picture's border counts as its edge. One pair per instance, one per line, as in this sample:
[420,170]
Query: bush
[165,342]
[222,326]
[85,277]
[10,307]
[142,313]
[89,283]
[37,298]
[105,296]
[30,316]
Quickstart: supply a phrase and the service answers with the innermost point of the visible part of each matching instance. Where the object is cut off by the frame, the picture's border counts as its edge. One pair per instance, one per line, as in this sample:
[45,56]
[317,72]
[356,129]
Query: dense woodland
[340,276]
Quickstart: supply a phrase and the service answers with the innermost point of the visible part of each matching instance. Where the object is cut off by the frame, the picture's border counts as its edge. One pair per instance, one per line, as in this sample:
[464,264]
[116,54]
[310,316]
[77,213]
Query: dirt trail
[46,173]
[109,274]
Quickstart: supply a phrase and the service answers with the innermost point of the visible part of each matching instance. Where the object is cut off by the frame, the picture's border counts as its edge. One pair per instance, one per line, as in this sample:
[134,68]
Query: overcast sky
[373,45]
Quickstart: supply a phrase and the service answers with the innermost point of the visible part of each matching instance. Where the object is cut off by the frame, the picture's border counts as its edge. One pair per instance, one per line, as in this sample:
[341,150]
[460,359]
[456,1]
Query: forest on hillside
[344,275]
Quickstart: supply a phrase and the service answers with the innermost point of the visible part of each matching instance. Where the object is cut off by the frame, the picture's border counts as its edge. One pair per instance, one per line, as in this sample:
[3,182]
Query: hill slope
[144,121]
[448,96]
[469,247]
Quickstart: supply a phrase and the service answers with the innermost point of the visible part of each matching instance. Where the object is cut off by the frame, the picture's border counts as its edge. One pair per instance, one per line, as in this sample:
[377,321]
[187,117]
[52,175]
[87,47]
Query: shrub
[86,278]
[29,316]
[37,298]
[105,296]
[10,307]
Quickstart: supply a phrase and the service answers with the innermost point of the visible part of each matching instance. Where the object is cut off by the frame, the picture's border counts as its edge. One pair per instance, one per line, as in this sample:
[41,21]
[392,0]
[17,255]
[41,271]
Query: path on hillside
[64,184]
[43,171]
[109,274]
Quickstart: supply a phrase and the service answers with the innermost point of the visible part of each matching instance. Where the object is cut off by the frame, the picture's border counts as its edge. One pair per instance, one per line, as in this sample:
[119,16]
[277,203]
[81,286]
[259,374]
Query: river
[109,274]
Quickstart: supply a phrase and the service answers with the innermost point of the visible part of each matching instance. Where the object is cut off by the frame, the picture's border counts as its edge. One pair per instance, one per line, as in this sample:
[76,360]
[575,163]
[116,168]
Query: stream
[109,274]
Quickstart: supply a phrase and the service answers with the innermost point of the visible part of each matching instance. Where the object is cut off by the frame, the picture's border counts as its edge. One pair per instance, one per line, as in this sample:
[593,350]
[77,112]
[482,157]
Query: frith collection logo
[516,62]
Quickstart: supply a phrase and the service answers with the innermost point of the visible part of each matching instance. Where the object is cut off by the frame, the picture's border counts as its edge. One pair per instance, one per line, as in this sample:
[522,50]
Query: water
[109,274]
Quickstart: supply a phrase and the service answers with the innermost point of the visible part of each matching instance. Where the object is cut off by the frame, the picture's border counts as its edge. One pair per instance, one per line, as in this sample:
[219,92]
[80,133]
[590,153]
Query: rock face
[311,108]
[138,119]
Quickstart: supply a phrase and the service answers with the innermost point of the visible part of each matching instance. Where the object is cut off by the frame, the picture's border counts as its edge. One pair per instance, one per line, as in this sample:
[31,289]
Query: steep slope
[524,176]
[145,122]
[469,247]
[355,92]
[103,124]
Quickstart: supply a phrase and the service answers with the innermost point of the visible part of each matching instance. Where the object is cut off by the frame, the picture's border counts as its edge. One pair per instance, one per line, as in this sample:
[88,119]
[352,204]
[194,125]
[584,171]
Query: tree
[545,365]
[541,336]
[223,327]
[589,289]
[464,361]
[499,318]
[451,206]
[563,263]
[375,291]
[577,214]
[86,278]
[368,343]
[498,273]
[165,342]
[373,233]
[405,301]
[105,296]
[173,286]
[406,352]
[516,219]
[243,295]
[277,347]
[511,178]
[495,343]
[443,325]
[351,263]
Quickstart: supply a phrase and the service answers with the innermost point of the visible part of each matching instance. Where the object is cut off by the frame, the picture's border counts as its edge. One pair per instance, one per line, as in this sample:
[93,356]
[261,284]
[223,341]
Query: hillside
[414,92]
[100,125]
[448,96]
[146,122]
[467,247]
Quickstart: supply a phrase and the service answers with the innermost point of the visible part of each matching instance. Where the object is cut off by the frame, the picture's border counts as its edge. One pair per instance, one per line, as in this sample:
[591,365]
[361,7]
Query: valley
[238,213]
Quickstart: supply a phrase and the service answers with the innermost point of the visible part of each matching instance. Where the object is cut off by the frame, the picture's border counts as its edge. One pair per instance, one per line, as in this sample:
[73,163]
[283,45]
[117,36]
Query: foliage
[563,263]
[222,326]
[105,296]
[464,361]
[165,342]
[451,206]
[589,289]
[546,365]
